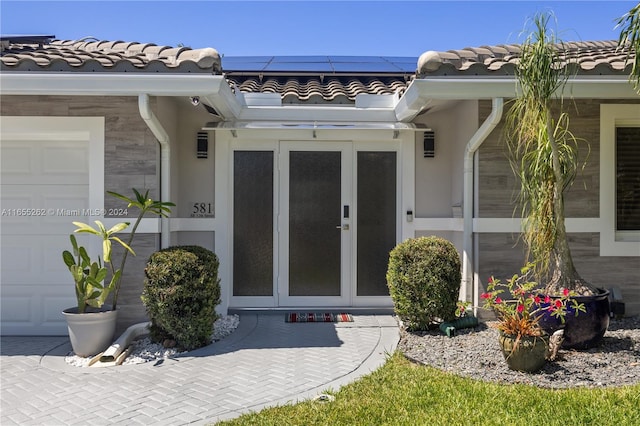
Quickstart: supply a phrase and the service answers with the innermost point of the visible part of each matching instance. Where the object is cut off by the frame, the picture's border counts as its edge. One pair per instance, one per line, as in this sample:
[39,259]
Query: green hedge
[424,281]
[181,292]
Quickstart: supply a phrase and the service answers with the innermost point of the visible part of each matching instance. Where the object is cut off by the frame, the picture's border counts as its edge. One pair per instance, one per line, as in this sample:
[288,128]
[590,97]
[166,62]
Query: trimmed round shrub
[424,281]
[181,292]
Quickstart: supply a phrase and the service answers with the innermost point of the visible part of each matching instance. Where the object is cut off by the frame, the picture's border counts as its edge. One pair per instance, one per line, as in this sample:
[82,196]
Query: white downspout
[467,205]
[163,138]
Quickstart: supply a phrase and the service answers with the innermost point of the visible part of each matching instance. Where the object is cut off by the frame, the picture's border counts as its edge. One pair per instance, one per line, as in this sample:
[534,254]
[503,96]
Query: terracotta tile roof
[312,89]
[91,55]
[591,58]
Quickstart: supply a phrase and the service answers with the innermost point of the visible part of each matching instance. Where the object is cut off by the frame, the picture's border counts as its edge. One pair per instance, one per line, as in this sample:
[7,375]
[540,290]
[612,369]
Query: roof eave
[213,89]
[424,91]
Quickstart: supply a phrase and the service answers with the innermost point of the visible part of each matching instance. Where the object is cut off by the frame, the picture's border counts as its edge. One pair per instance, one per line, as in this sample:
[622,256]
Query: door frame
[403,146]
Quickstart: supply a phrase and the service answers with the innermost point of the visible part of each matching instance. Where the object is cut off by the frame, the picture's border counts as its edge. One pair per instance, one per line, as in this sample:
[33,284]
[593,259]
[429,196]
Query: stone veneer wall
[131,153]
[502,255]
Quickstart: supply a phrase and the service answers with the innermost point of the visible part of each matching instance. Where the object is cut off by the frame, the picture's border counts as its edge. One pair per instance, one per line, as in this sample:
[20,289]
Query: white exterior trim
[610,117]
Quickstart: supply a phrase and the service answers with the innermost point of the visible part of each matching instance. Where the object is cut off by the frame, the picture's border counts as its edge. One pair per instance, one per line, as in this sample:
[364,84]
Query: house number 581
[202,208]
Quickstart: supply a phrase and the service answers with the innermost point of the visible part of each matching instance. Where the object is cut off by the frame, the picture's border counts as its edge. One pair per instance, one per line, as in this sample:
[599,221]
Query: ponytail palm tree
[544,156]
[629,25]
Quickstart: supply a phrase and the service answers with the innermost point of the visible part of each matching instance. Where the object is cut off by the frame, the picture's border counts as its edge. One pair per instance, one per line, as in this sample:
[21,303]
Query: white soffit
[302,125]
[485,88]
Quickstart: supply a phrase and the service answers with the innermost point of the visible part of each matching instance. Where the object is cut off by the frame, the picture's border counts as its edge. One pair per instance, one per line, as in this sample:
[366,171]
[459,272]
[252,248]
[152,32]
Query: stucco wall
[439,180]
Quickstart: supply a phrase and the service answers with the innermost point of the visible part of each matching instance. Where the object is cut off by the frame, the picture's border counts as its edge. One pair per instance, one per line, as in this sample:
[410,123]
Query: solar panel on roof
[299,59]
[244,66]
[319,63]
[240,59]
[364,67]
[26,38]
[299,66]
[368,59]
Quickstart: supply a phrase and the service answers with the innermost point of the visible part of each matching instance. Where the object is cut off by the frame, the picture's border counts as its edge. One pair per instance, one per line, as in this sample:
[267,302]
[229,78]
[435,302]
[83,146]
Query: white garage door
[44,186]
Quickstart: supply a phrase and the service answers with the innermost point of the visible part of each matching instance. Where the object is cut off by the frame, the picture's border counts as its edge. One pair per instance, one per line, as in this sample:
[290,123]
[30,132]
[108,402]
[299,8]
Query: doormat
[317,317]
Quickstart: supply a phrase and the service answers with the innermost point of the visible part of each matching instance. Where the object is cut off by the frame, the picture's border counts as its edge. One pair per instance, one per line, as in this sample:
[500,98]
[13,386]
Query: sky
[247,28]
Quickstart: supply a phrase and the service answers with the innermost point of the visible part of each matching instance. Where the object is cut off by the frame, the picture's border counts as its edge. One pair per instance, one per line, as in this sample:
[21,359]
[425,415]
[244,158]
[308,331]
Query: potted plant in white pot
[545,158]
[91,323]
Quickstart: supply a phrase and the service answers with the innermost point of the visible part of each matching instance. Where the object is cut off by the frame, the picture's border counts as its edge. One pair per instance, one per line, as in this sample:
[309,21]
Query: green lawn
[402,393]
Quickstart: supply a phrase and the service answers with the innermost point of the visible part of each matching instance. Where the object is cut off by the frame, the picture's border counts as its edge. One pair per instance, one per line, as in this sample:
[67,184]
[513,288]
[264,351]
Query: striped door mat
[317,317]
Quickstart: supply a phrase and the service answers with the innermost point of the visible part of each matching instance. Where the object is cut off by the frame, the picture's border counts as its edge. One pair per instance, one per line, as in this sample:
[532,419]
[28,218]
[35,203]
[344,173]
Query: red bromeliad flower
[521,313]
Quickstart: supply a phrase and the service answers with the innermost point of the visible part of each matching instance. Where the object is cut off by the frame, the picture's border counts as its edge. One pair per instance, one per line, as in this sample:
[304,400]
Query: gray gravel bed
[475,353]
[144,350]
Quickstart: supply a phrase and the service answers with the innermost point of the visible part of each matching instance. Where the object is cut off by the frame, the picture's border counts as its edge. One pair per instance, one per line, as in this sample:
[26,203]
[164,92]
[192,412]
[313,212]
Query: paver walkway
[265,362]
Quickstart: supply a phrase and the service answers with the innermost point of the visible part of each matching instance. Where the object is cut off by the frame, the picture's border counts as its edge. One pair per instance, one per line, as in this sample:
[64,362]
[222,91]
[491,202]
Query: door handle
[344,227]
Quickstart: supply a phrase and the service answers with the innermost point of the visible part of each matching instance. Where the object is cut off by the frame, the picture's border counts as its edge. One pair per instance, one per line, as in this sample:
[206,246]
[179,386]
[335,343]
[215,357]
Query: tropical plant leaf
[106,250]
[83,227]
[117,227]
[68,258]
[86,260]
[629,40]
[123,244]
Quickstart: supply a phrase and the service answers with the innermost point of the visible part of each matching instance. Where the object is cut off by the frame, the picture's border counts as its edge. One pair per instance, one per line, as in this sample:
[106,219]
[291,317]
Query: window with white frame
[627,178]
[620,179]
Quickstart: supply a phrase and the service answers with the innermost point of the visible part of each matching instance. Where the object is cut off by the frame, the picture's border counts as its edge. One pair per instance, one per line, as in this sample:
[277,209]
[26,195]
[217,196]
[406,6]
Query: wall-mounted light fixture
[202,145]
[429,144]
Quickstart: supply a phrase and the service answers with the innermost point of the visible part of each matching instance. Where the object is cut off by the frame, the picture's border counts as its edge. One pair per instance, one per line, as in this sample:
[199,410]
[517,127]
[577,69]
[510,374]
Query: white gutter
[467,199]
[165,161]
[213,89]
[423,93]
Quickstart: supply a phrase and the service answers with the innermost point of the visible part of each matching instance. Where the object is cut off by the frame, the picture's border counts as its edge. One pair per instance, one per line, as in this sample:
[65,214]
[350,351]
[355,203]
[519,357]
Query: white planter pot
[91,332]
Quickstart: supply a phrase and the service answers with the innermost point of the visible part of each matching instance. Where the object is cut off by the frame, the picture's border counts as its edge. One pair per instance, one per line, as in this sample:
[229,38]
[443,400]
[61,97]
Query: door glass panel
[253,223]
[314,213]
[376,220]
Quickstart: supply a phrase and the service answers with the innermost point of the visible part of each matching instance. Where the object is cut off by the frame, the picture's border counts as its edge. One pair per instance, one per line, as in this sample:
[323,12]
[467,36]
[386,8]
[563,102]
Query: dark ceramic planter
[585,330]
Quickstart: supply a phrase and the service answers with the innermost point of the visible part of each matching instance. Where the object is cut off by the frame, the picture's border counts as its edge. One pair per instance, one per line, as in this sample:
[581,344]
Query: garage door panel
[68,204]
[45,162]
[27,260]
[65,162]
[44,209]
[16,309]
[17,160]
[35,313]
[17,259]
[53,305]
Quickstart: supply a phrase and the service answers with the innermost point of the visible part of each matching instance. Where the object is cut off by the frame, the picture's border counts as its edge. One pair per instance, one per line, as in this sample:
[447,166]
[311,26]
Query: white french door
[313,223]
